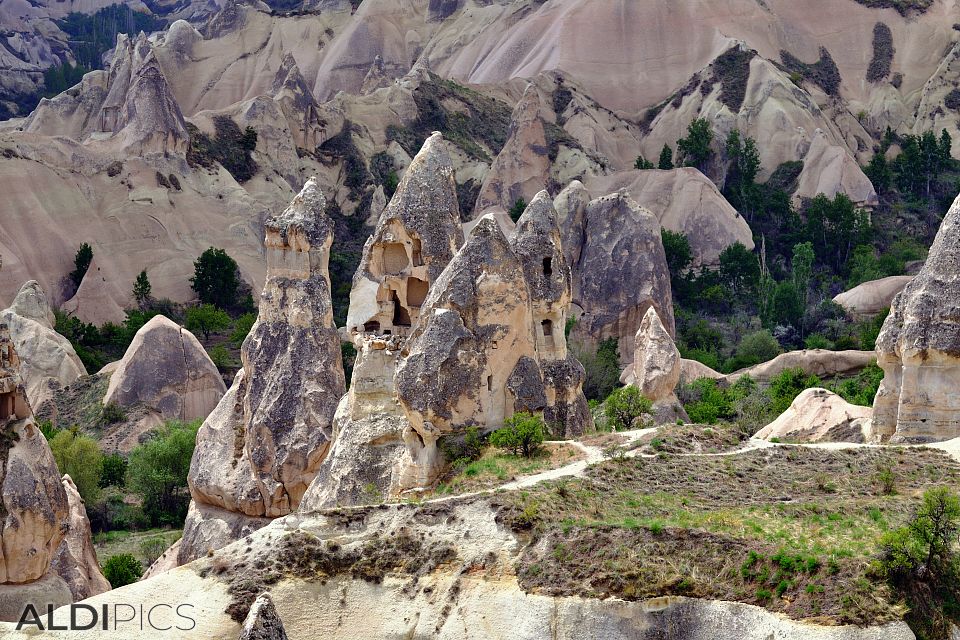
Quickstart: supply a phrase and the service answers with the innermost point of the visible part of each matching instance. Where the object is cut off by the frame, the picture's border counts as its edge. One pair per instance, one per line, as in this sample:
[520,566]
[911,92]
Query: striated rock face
[919,348]
[522,166]
[621,272]
[818,415]
[166,368]
[263,622]
[472,357]
[416,236]
[263,444]
[76,560]
[33,504]
[656,368]
[95,301]
[830,169]
[131,108]
[871,298]
[48,359]
[684,201]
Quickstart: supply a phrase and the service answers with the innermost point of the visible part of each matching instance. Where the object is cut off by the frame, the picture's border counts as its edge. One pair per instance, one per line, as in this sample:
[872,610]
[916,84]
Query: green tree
[207,319]
[666,158]
[81,262]
[878,171]
[122,569]
[242,327]
[602,369]
[142,289]
[522,433]
[216,278]
[835,227]
[695,148]
[79,457]
[744,164]
[754,348]
[157,472]
[114,470]
[625,405]
[739,270]
[786,306]
[517,209]
[802,270]
[642,163]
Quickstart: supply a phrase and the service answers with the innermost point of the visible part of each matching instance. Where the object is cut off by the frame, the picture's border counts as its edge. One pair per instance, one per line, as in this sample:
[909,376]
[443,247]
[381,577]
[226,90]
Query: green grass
[496,467]
[111,543]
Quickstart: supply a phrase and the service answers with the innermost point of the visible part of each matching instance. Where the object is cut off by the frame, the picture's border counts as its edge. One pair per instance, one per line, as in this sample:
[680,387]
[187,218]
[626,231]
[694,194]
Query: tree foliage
[695,147]
[624,406]
[79,457]
[522,433]
[142,289]
[81,262]
[158,469]
[216,278]
[207,319]
[122,569]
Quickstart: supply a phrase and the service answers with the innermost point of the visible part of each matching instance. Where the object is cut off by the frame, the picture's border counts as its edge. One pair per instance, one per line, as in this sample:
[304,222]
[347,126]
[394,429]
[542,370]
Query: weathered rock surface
[76,560]
[871,298]
[166,368]
[656,369]
[919,348]
[449,599]
[684,201]
[417,234]
[521,168]
[818,362]
[95,301]
[32,500]
[263,444]
[472,357]
[621,271]
[47,360]
[818,415]
[830,169]
[691,370]
[263,622]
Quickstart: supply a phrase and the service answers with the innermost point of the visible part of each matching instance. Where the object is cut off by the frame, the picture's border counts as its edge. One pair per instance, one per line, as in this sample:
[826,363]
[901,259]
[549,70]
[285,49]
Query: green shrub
[122,569]
[517,209]
[114,470]
[817,341]
[158,469]
[152,548]
[461,451]
[624,406]
[787,385]
[602,369]
[80,457]
[756,348]
[112,413]
[221,358]
[230,147]
[522,433]
[81,262]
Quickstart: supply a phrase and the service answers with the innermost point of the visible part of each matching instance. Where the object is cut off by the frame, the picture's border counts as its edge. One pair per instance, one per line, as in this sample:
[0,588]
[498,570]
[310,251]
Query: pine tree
[666,158]
[141,289]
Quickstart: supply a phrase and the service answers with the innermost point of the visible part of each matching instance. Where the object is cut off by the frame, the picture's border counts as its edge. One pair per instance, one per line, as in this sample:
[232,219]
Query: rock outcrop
[818,415]
[263,444]
[33,503]
[521,168]
[830,169]
[870,298]
[76,560]
[166,369]
[621,270]
[95,301]
[48,360]
[537,243]
[684,201]
[817,362]
[416,236]
[656,369]
[263,622]
[919,348]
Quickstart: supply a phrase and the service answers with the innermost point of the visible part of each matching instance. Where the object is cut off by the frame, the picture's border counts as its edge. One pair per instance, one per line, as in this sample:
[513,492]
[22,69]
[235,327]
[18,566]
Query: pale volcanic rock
[417,234]
[472,356]
[818,415]
[919,348]
[622,272]
[166,368]
[829,169]
[873,297]
[537,243]
[684,201]
[76,560]
[521,168]
[263,622]
[263,444]
[691,370]
[656,368]
[96,299]
[34,503]
[571,207]
[48,360]
[818,362]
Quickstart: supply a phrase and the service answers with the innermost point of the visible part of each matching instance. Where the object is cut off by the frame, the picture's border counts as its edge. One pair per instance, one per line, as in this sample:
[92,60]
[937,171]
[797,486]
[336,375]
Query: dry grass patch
[495,468]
